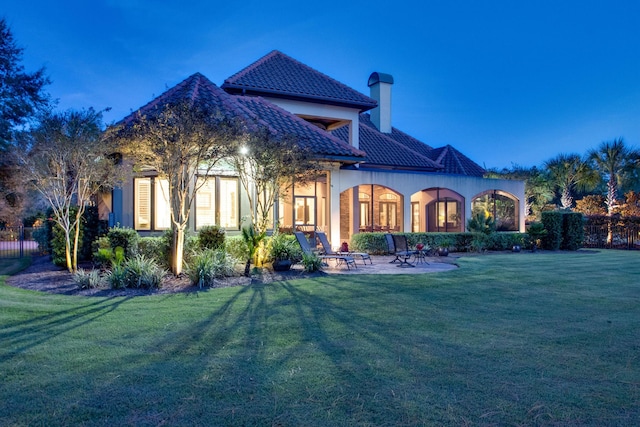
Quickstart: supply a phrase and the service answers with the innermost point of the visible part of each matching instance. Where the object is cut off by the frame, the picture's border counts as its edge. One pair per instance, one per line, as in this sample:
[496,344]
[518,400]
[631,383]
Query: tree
[179,140]
[592,204]
[67,161]
[617,163]
[21,97]
[268,166]
[569,172]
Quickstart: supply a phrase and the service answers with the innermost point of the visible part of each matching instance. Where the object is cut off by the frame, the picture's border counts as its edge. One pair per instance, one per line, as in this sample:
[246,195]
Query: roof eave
[239,89]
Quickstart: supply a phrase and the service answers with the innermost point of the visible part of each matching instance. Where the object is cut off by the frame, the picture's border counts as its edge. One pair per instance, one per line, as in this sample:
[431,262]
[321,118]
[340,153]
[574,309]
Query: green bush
[156,248]
[552,221]
[142,272]
[372,243]
[208,265]
[211,237]
[311,262]
[283,247]
[58,246]
[87,279]
[236,247]
[117,277]
[481,223]
[125,237]
[572,231]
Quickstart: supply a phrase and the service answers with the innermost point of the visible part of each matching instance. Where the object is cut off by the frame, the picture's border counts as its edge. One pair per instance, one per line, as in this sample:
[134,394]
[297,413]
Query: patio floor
[382,265]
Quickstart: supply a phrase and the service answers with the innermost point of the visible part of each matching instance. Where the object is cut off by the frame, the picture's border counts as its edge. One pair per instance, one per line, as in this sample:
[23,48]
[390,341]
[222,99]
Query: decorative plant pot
[516,248]
[443,252]
[282,265]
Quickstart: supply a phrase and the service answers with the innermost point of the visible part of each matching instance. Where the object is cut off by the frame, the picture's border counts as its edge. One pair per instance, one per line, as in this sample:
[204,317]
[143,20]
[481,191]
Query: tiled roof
[198,90]
[279,75]
[455,162]
[307,135]
[401,151]
[382,150]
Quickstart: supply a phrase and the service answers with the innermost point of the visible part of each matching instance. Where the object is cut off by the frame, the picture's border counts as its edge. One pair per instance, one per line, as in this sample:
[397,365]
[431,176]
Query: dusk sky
[505,82]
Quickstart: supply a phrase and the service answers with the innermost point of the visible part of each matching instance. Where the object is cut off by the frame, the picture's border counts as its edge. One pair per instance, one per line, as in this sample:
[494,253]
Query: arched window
[500,206]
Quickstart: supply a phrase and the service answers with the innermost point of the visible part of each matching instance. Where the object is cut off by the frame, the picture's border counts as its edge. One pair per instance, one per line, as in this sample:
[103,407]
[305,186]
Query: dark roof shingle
[279,75]
[281,122]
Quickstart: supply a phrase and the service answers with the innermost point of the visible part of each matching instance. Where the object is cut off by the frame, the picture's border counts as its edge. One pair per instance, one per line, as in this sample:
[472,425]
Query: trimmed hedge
[572,231]
[552,221]
[376,244]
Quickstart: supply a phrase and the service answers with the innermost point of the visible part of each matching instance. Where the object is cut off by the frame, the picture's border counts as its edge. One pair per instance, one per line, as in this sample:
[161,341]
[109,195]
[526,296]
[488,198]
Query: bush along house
[375,177]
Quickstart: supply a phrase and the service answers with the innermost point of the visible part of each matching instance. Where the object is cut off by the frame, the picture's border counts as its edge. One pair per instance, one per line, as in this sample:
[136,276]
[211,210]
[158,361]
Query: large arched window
[499,205]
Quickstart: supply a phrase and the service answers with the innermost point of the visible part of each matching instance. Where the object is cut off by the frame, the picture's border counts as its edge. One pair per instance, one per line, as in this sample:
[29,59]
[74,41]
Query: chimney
[380,85]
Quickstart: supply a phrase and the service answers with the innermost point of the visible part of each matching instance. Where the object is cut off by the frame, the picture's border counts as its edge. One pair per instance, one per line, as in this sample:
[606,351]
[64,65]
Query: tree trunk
[67,250]
[177,250]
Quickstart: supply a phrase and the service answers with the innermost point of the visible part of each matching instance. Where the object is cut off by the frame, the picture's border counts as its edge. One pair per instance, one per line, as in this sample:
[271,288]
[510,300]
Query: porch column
[333,187]
[354,227]
[406,212]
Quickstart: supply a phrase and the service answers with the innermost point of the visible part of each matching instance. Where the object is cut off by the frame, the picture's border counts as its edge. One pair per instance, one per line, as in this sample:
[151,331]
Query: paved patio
[382,265]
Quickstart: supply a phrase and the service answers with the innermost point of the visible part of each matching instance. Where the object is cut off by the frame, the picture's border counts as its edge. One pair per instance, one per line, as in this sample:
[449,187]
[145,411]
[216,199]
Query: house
[376,176]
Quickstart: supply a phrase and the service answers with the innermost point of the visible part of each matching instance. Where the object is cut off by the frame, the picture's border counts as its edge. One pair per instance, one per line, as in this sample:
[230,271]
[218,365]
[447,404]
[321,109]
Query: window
[206,202]
[305,210]
[151,208]
[217,202]
[444,215]
[228,202]
[415,217]
[500,206]
[388,215]
[365,211]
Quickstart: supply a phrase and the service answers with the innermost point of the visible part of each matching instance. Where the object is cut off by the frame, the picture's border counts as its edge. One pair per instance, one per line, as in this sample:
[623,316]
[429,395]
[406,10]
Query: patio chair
[328,251]
[399,247]
[339,259]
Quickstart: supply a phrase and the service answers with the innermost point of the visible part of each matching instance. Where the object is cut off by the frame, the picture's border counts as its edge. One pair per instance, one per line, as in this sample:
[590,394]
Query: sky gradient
[504,82]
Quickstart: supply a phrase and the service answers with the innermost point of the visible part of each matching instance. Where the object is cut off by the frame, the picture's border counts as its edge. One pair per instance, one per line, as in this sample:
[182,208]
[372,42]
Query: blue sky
[505,82]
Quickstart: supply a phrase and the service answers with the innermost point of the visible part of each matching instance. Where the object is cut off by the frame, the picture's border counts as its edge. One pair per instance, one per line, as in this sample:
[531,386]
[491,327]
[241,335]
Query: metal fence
[612,237]
[17,242]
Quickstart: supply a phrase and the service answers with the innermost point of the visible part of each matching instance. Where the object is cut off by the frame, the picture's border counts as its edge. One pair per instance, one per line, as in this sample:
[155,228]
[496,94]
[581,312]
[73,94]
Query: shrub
[87,279]
[208,265]
[481,223]
[572,231]
[372,243]
[156,248]
[125,237]
[211,237]
[117,277]
[311,262]
[552,221]
[58,246]
[136,272]
[283,247]
[479,242]
[236,247]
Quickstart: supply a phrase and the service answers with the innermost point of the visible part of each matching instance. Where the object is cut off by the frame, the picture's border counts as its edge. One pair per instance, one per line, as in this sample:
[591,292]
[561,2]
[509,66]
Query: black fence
[17,242]
[612,237]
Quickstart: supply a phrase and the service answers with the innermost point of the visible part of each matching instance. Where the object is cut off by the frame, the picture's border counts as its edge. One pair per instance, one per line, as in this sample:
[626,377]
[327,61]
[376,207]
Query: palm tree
[569,172]
[616,163]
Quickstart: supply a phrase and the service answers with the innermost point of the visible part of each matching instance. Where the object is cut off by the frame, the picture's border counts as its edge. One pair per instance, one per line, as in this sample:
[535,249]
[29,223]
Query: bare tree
[66,160]
[180,141]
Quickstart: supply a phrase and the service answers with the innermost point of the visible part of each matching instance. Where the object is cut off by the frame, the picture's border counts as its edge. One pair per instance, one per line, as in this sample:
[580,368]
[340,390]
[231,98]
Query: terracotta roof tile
[279,75]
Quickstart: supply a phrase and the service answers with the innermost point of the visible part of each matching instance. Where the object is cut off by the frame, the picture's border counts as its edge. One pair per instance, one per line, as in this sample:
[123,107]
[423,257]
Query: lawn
[513,339]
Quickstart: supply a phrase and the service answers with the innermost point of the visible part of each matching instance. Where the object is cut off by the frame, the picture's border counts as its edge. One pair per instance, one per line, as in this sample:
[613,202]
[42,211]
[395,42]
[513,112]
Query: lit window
[205,202]
[229,203]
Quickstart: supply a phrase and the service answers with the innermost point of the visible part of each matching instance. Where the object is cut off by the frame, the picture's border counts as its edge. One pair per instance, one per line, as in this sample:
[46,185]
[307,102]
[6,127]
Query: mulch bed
[43,275]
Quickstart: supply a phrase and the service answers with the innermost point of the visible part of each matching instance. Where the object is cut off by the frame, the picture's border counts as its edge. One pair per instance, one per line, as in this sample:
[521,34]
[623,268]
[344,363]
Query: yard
[508,339]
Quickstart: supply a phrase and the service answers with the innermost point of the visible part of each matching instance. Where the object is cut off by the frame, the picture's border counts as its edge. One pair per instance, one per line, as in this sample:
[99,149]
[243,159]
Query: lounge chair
[328,251]
[306,248]
[399,247]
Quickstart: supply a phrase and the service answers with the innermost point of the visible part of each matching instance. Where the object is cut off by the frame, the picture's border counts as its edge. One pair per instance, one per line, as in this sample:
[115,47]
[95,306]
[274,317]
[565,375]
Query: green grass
[514,339]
